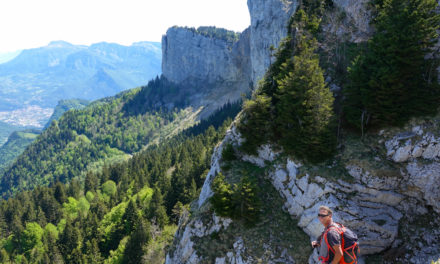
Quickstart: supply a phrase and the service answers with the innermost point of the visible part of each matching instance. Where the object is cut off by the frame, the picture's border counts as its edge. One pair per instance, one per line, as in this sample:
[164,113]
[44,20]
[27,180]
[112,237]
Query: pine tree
[256,122]
[69,241]
[91,182]
[396,77]
[134,249]
[305,119]
[221,200]
[157,209]
[130,216]
[60,193]
[246,200]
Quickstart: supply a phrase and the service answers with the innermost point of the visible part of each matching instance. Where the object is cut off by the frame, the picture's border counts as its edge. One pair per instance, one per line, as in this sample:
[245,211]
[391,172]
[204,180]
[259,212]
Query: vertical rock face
[213,70]
[269,20]
[193,58]
[188,55]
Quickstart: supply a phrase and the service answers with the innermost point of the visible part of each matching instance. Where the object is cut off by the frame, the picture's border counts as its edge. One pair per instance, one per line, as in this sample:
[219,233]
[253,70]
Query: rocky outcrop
[184,251]
[371,204]
[191,56]
[212,70]
[269,20]
[419,149]
[230,138]
[356,14]
[369,212]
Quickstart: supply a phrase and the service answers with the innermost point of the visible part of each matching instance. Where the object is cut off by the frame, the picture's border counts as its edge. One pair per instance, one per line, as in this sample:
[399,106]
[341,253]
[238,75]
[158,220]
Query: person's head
[325,215]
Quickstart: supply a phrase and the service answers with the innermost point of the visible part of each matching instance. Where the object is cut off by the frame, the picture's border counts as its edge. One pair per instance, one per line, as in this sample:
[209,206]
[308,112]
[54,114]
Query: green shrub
[228,153]
[237,201]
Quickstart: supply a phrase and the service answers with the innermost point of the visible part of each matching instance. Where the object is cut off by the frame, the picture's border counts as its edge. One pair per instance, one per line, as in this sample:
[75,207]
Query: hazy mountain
[45,75]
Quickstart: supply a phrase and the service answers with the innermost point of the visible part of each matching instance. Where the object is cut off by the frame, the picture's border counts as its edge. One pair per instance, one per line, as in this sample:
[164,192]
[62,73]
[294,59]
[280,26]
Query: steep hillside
[123,174]
[83,139]
[125,213]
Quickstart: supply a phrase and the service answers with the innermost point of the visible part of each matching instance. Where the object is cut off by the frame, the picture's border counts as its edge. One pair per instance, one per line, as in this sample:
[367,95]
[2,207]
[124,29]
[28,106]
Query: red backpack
[349,245]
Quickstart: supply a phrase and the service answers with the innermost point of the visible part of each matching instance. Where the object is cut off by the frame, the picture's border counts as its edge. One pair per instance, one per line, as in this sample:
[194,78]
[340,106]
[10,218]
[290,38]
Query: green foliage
[237,201]
[109,188]
[31,237]
[256,125]
[395,78]
[82,137]
[217,33]
[16,144]
[51,230]
[304,121]
[293,107]
[71,208]
[228,153]
[226,112]
[134,249]
[275,228]
[157,209]
[96,227]
[64,106]
[221,200]
[6,130]
[117,255]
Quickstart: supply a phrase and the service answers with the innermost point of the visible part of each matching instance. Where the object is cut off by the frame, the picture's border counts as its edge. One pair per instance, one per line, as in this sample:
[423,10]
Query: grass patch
[274,233]
[370,155]
[332,170]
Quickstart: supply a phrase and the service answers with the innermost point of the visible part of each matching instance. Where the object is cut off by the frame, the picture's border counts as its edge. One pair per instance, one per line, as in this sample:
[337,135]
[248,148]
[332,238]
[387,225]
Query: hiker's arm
[338,254]
[316,242]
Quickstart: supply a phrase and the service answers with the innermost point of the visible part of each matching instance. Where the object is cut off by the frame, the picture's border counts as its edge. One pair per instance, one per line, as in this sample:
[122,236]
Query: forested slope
[125,212]
[107,130]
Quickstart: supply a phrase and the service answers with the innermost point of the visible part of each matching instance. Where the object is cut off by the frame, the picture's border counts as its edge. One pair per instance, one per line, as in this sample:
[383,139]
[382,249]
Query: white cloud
[34,23]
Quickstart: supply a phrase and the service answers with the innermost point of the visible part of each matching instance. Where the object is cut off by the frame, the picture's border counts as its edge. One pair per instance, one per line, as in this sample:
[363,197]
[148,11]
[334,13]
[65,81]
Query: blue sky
[34,23]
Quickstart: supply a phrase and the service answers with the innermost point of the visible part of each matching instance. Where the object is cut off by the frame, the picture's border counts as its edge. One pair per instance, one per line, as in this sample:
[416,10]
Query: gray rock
[402,154]
[432,151]
[268,27]
[425,180]
[189,55]
[265,153]
[215,68]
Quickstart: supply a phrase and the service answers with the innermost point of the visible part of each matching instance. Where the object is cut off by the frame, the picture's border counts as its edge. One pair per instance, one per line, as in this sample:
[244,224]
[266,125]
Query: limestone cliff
[212,70]
[268,27]
[191,56]
[219,67]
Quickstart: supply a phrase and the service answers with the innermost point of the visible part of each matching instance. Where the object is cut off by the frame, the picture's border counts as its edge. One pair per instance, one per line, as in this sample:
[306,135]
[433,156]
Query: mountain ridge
[61,70]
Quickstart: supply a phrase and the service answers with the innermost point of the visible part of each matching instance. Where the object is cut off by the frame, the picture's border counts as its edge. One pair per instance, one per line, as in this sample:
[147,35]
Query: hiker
[337,244]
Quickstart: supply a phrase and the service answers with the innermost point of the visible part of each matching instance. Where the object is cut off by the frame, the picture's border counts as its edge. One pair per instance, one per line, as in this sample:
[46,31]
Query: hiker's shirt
[333,239]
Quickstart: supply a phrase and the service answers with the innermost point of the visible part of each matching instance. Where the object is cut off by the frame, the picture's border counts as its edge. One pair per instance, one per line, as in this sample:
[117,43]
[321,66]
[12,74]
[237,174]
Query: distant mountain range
[43,76]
